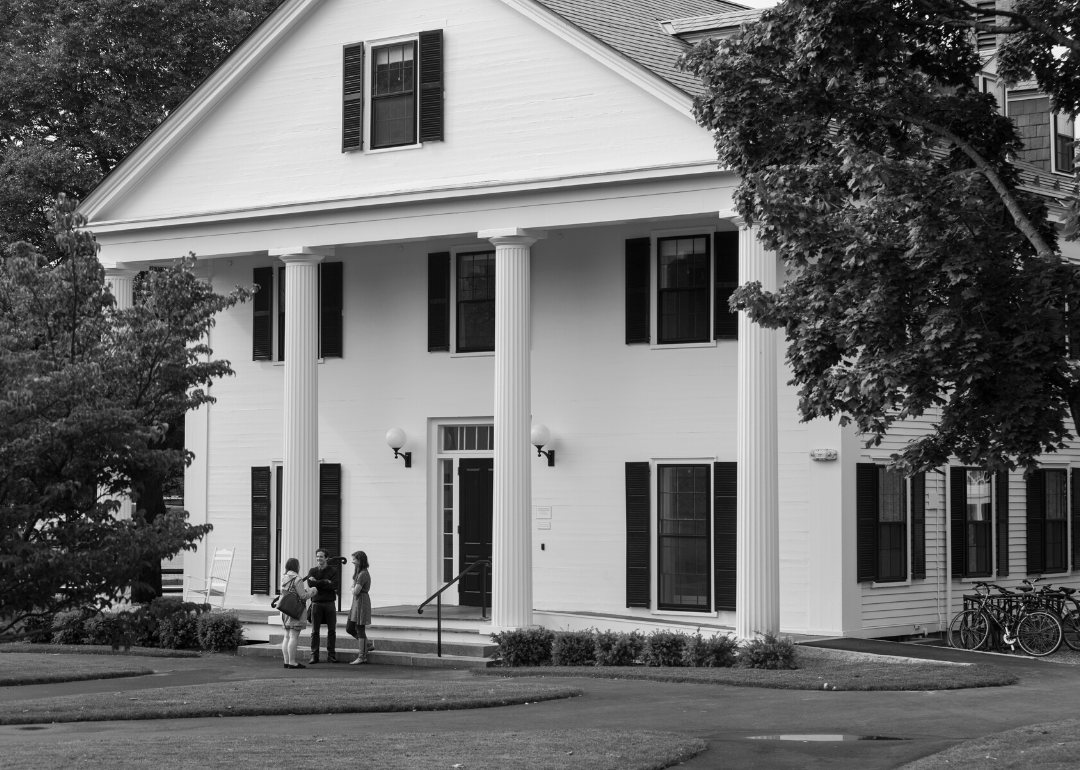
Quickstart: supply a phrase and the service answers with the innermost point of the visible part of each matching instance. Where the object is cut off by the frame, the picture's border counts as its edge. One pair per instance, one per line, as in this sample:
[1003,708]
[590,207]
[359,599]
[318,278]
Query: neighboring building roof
[632,27]
[712,21]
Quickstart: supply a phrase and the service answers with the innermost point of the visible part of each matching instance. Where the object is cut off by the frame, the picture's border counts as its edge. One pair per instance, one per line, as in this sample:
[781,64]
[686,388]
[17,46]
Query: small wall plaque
[543,511]
[543,525]
[823,455]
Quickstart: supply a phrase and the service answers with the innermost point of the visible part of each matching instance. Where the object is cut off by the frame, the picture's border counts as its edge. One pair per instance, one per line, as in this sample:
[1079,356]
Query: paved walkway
[723,716]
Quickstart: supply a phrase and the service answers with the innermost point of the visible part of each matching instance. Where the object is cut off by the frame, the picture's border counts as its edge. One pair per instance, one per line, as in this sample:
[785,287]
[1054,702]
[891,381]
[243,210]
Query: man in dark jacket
[323,606]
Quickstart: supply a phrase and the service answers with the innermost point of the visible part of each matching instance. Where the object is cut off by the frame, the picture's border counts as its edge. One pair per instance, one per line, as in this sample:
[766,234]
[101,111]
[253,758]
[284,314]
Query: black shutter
[331,343]
[438,293]
[725,547]
[1075,515]
[262,303]
[638,540]
[866,520]
[726,249]
[330,513]
[352,108]
[1036,522]
[260,530]
[638,251]
[958,520]
[918,526]
[281,314]
[431,86]
[1001,521]
[278,480]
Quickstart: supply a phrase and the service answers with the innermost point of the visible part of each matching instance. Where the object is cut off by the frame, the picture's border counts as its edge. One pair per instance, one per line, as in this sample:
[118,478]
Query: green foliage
[618,648]
[82,82]
[716,651]
[525,646]
[88,394]
[104,628]
[574,648]
[921,280]
[179,632]
[67,627]
[220,631]
[664,648]
[769,652]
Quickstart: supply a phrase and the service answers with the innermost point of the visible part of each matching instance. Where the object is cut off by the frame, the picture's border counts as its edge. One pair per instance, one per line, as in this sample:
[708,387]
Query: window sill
[686,613]
[889,583]
[282,363]
[399,148]
[681,345]
[985,579]
[474,354]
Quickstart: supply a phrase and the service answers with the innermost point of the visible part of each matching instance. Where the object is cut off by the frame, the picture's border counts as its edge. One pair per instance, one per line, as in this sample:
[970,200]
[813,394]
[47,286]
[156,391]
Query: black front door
[476,485]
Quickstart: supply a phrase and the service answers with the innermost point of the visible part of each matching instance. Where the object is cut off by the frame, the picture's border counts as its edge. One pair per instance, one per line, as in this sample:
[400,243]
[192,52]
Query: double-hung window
[683,537]
[1048,521]
[683,289]
[393,95]
[890,524]
[476,302]
[979,523]
[978,519]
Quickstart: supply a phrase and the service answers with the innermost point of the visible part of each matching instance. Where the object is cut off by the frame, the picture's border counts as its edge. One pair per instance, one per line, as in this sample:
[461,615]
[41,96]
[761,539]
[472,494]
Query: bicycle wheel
[1039,633]
[968,630]
[1070,624]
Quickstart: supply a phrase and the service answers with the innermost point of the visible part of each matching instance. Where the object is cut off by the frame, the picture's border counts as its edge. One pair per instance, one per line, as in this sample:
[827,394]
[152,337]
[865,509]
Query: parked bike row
[1035,618]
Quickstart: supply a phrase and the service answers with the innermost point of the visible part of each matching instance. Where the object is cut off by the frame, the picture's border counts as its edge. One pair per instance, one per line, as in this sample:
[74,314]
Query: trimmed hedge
[219,631]
[660,649]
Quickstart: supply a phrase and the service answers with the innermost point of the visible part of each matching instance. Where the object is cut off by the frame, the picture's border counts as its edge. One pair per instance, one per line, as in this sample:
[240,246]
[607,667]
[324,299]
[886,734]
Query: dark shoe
[332,658]
[286,665]
[313,660]
[296,666]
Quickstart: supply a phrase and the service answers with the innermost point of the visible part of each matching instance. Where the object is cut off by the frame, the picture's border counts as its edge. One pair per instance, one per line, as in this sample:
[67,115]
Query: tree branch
[1025,22]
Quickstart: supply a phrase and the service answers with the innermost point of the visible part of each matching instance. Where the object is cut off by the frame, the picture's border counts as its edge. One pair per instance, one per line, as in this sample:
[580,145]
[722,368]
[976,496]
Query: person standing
[324,578]
[360,612]
[291,582]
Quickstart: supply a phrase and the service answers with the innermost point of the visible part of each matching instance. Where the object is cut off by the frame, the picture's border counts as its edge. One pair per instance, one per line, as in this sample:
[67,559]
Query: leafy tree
[87,393]
[921,280]
[82,82]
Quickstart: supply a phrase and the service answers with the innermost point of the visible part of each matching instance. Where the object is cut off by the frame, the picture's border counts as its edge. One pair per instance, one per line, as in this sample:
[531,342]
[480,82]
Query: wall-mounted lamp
[541,437]
[395,438]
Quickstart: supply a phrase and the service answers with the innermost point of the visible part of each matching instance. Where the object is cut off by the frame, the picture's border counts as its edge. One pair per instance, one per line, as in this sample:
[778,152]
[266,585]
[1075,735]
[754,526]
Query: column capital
[735,218]
[512,236]
[120,270]
[302,253]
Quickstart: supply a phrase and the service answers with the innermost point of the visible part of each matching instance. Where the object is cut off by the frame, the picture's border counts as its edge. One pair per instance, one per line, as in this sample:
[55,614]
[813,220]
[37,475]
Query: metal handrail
[437,596]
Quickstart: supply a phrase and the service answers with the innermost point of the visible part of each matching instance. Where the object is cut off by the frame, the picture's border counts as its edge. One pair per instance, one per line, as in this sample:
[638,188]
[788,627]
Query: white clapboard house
[467,218]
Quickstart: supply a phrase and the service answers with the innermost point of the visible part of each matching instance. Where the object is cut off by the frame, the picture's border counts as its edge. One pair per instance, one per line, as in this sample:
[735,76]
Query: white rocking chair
[214,587]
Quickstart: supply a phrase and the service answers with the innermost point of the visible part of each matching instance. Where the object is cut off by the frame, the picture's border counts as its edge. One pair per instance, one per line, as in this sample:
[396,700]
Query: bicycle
[1016,616]
[1054,600]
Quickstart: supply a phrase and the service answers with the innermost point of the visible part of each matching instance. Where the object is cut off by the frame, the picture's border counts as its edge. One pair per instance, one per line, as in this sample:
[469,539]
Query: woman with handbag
[360,613]
[294,595]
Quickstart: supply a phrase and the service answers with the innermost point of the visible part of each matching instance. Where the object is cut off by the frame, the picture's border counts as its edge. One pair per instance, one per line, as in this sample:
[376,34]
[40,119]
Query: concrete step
[346,642]
[381,657]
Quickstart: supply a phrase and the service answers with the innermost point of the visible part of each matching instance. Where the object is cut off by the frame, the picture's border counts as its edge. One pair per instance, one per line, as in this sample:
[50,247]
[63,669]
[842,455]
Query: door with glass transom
[476,486]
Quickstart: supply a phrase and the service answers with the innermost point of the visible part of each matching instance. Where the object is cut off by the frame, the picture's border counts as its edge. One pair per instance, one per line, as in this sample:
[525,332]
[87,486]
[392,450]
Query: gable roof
[632,27]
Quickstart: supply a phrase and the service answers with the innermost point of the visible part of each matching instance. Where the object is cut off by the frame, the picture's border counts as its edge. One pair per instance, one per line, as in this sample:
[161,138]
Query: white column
[511,545]
[757,585]
[121,282]
[300,487]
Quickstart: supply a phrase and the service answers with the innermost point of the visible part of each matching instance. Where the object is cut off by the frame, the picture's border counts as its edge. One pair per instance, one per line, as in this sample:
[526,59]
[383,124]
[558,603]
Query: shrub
[103,629]
[67,627]
[39,628]
[713,652]
[664,648]
[220,631]
[524,647]
[574,648]
[768,651]
[179,632]
[616,648]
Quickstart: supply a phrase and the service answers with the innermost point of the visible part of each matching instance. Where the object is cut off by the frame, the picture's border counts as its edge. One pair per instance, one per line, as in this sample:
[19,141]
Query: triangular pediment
[523,101]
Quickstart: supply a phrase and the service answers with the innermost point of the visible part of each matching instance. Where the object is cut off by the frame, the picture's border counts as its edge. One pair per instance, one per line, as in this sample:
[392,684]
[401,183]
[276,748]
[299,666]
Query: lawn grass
[45,669]
[539,750]
[818,670]
[96,649]
[1052,746]
[280,696]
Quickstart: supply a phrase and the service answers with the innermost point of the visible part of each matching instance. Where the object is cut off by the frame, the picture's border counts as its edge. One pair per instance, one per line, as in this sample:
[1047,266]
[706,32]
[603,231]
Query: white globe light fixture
[395,439]
[541,437]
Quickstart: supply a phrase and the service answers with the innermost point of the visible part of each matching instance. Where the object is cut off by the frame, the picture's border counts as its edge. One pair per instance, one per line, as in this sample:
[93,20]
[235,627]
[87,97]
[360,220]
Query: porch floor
[455,612]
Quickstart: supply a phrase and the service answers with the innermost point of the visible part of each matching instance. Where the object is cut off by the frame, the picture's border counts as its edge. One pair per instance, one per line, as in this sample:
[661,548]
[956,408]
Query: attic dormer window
[401,103]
